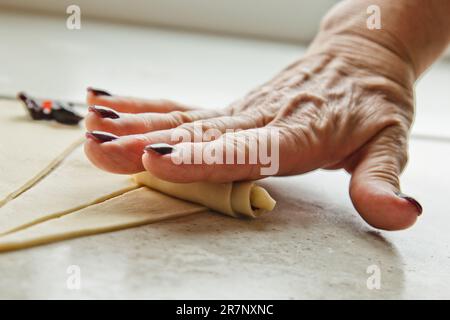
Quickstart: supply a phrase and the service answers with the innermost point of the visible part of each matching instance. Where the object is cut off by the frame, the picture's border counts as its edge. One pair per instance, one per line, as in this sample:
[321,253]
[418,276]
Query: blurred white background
[201,52]
[281,19]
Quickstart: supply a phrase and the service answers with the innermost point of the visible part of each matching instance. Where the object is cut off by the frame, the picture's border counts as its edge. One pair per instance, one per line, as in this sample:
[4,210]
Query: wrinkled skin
[347,104]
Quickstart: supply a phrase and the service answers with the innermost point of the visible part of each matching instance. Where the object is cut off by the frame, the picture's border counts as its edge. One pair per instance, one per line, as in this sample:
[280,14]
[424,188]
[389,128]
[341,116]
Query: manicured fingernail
[412,201]
[104,112]
[161,148]
[101,136]
[98,92]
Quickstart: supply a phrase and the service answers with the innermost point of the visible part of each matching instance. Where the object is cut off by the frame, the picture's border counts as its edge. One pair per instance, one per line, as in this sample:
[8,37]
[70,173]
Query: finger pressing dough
[134,208]
[29,149]
[74,184]
[233,198]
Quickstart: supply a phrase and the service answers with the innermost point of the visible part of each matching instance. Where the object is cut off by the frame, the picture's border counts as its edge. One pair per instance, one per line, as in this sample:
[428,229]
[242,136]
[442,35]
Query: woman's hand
[348,103]
[335,108]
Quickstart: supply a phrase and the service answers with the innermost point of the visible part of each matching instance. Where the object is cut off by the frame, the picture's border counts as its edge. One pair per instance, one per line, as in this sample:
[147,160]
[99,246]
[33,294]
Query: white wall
[291,20]
[277,19]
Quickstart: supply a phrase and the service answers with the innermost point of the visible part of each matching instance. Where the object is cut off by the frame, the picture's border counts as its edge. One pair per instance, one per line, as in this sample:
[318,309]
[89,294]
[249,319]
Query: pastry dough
[29,149]
[75,184]
[62,199]
[134,208]
[233,198]
[95,201]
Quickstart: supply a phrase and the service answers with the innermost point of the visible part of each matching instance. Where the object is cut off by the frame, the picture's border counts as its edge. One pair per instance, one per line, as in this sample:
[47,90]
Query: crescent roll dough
[234,198]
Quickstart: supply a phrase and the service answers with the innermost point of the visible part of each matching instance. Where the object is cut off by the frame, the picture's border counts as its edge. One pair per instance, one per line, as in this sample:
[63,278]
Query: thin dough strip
[134,208]
[73,185]
[44,172]
[38,147]
[236,199]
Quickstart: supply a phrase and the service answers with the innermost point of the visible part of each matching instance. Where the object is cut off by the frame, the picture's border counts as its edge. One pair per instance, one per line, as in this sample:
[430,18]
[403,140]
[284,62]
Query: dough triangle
[134,208]
[30,149]
[74,184]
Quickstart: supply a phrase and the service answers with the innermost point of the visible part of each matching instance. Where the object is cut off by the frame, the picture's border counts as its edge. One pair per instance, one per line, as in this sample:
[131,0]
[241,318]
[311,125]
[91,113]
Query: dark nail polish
[104,112]
[161,148]
[98,92]
[101,136]
[412,201]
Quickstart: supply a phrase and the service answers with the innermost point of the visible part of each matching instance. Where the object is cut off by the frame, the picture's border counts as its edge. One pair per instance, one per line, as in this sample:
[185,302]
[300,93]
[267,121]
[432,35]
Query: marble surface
[314,245]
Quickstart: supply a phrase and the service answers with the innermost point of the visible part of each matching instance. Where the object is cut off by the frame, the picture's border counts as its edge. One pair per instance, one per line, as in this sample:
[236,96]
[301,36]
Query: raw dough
[77,199]
[63,197]
[29,149]
[234,198]
[75,184]
[134,208]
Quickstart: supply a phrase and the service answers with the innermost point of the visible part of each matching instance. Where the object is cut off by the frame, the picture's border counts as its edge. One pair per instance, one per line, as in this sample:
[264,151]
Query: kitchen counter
[314,245]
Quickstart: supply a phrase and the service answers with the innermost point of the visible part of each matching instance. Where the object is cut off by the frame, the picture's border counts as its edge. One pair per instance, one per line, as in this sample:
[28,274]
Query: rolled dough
[234,198]
[38,146]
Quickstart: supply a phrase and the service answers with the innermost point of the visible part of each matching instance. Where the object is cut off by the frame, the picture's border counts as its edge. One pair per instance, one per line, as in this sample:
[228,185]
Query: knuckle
[179,117]
[394,147]
[399,115]
[192,129]
[257,117]
[304,101]
[147,122]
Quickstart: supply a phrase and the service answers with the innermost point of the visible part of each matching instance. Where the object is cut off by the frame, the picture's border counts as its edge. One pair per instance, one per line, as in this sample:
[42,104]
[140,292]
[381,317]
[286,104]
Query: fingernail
[98,92]
[161,148]
[104,112]
[412,201]
[101,136]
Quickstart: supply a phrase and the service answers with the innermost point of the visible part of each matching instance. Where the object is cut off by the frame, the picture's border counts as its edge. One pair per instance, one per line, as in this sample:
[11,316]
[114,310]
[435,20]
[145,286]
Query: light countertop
[314,245]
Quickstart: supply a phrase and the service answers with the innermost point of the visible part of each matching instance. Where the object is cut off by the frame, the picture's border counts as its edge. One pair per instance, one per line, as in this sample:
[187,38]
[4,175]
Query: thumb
[375,186]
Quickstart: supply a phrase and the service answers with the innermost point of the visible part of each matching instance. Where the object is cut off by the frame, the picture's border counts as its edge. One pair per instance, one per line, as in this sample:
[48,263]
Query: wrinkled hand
[348,103]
